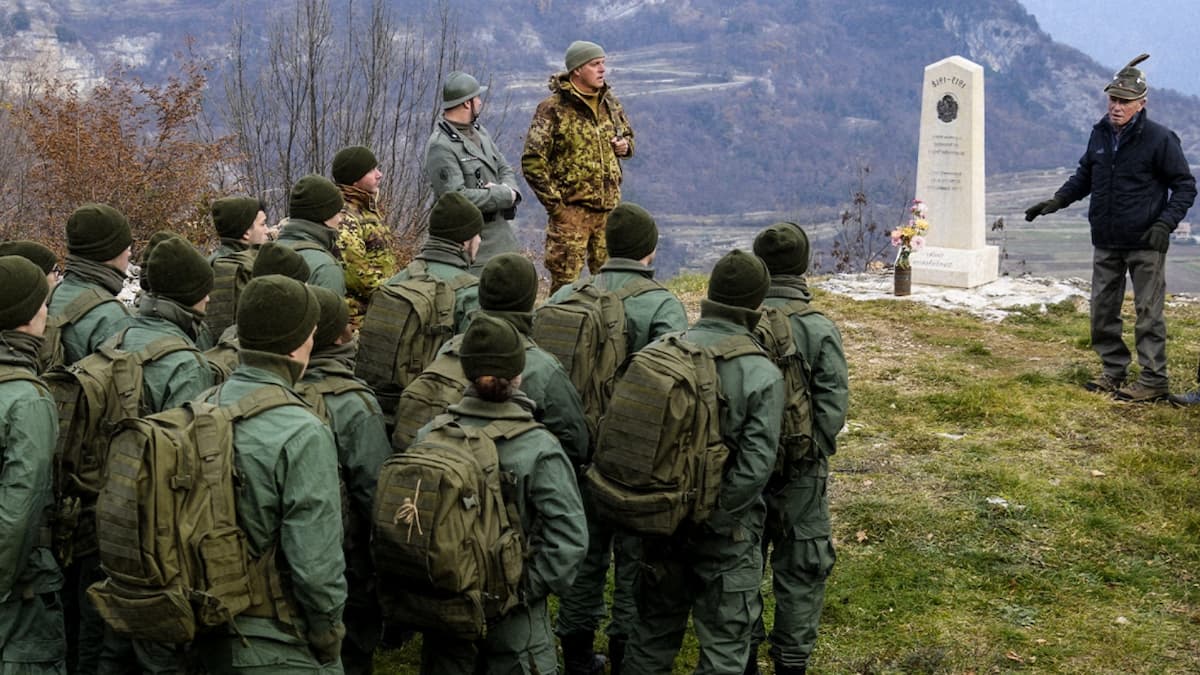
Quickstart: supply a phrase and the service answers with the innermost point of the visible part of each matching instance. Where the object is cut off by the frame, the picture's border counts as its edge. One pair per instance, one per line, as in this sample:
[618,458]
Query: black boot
[616,654]
[781,669]
[578,656]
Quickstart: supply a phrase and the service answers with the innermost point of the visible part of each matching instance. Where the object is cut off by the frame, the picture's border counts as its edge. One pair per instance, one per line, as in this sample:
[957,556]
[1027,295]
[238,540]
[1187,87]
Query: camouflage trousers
[573,233]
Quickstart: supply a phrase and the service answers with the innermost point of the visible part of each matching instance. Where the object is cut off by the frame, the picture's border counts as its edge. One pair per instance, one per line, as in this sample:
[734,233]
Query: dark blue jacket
[1145,181]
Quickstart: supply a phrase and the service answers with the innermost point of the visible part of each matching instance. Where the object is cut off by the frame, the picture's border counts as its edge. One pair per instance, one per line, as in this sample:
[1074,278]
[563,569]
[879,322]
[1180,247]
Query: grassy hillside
[991,515]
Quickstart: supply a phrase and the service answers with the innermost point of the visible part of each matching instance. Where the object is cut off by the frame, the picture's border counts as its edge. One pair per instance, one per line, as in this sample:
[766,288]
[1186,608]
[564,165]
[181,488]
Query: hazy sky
[1114,31]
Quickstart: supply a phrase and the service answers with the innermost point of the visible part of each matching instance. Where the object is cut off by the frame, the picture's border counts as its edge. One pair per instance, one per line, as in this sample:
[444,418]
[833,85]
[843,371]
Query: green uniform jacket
[454,163]
[551,511]
[357,425]
[446,260]
[568,156]
[751,415]
[315,243]
[648,315]
[87,334]
[289,496]
[28,434]
[176,378]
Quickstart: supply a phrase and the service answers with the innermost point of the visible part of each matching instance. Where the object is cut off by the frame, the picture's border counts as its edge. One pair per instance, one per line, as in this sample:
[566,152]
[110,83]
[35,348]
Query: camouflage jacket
[366,247]
[568,157]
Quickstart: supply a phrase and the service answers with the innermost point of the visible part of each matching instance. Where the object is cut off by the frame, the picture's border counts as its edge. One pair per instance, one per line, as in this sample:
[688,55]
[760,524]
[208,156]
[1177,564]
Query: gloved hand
[326,644]
[1042,208]
[1158,237]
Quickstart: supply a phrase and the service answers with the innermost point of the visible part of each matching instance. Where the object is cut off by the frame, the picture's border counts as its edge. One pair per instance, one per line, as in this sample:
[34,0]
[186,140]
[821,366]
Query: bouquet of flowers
[911,237]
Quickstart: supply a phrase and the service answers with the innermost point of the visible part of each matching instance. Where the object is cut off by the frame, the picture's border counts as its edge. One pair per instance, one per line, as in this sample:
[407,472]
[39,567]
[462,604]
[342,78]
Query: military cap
[177,271]
[460,88]
[23,291]
[32,251]
[315,199]
[276,314]
[630,232]
[155,239]
[784,248]
[352,163]
[233,216]
[98,232]
[580,52]
[1129,83]
[276,258]
[739,279]
[493,347]
[454,218]
[508,283]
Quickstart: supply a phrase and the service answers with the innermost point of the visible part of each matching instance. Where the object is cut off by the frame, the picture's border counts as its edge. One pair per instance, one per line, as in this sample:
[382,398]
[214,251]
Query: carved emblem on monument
[947,109]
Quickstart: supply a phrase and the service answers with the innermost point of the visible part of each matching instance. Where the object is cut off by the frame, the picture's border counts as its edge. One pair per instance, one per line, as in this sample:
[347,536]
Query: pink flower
[918,243]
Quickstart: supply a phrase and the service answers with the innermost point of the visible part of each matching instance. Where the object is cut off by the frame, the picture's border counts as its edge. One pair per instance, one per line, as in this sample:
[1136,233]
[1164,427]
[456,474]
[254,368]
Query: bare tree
[316,82]
[860,239]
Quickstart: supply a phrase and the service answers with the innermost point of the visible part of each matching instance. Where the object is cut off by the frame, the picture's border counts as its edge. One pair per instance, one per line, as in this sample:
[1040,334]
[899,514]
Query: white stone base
[957,267]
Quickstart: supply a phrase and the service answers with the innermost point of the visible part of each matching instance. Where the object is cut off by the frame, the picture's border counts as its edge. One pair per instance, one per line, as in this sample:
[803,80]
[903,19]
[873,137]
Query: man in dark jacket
[1140,187]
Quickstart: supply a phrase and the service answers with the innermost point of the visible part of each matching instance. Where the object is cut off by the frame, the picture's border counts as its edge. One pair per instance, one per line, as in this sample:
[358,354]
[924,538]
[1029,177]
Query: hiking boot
[616,654]
[1104,384]
[1186,399]
[781,669]
[578,656]
[1141,393]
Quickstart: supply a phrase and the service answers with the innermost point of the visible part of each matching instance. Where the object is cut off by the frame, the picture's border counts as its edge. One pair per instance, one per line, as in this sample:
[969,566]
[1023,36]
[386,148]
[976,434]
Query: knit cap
[580,52]
[784,248]
[315,199]
[276,258]
[630,232]
[276,314]
[508,283]
[493,347]
[32,251]
[177,271]
[454,218]
[334,316]
[23,291]
[233,216]
[98,232]
[739,279]
[352,163]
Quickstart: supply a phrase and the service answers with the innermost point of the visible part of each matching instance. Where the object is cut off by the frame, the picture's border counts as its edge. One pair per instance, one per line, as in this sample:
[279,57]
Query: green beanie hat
[177,271]
[276,314]
[508,283]
[630,232]
[739,279]
[98,232]
[276,258]
[315,199]
[155,239]
[493,347]
[23,291]
[232,216]
[784,248]
[33,252]
[334,316]
[352,163]
[580,52]
[454,218]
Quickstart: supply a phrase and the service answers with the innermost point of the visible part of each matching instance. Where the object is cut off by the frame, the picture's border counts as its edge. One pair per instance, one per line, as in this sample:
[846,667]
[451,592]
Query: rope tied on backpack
[408,514]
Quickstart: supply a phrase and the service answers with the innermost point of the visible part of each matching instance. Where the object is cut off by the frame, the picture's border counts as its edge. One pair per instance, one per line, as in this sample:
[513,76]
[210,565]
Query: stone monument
[950,178]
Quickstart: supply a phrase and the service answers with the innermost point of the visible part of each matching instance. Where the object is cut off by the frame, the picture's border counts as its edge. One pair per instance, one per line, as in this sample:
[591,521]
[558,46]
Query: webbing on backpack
[51,354]
[775,331]
[230,274]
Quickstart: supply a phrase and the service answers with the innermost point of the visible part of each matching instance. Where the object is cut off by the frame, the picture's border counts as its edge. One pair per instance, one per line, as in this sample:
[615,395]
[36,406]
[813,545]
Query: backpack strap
[637,286]
[87,300]
[127,367]
[419,268]
[16,374]
[305,245]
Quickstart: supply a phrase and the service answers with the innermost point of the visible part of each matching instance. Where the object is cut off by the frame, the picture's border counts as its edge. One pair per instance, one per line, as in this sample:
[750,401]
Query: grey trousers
[1146,268]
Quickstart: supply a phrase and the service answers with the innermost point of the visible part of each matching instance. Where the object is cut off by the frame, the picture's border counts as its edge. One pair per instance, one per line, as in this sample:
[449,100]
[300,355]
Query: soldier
[314,216]
[241,222]
[178,280]
[98,249]
[37,254]
[575,177]
[453,242]
[712,571]
[493,356]
[272,258]
[364,242]
[32,636]
[288,503]
[362,446]
[632,243]
[798,527]
[461,157]
[85,304]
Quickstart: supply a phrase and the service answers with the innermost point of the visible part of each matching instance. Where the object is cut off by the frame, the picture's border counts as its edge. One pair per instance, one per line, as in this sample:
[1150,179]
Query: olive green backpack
[446,534]
[440,385]
[775,332]
[406,323]
[174,555]
[587,332]
[660,455]
[231,273]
